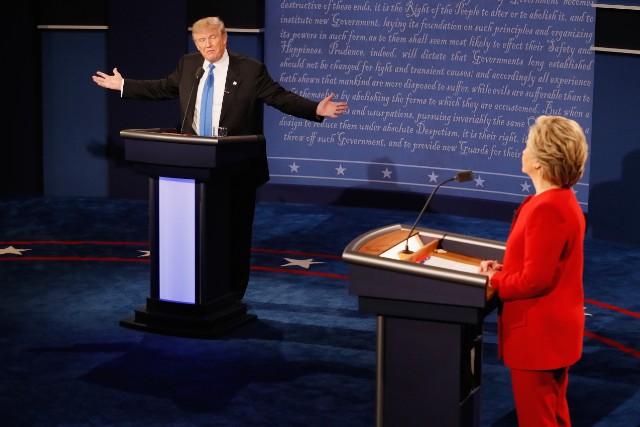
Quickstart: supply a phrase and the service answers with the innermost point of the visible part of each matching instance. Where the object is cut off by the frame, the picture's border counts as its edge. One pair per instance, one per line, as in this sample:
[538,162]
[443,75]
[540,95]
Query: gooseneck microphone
[462,176]
[198,76]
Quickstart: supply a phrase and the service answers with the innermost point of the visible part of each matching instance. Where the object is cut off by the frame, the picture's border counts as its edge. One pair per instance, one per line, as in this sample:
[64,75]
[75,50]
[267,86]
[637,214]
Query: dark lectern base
[189,320]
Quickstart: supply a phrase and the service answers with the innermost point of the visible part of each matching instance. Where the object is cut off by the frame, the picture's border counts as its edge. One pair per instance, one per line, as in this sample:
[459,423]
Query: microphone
[198,76]
[462,176]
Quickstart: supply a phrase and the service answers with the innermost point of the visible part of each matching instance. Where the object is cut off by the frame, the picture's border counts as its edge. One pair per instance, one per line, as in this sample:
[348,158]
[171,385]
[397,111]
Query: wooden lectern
[430,309]
[189,216]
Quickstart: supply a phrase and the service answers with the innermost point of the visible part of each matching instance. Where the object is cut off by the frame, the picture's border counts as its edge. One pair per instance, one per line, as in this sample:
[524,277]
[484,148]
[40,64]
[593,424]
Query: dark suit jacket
[248,86]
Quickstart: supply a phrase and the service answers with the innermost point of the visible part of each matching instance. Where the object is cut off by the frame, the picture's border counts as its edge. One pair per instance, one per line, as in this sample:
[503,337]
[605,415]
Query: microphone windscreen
[464,176]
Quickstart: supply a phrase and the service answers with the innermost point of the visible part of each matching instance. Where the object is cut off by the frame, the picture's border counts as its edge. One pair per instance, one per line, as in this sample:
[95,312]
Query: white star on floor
[304,263]
[10,250]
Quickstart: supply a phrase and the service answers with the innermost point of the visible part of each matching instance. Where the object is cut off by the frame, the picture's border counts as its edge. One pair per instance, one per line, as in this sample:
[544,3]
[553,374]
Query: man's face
[211,44]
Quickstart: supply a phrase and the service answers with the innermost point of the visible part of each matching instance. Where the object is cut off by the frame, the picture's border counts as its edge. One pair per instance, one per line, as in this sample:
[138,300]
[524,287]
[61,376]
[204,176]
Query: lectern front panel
[177,239]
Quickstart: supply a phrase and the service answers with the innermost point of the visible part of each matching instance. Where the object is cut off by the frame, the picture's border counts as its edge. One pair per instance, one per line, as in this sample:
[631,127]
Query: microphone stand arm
[406,250]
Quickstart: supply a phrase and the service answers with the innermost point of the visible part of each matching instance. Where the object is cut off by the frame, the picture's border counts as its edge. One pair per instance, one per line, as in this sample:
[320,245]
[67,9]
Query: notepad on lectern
[435,261]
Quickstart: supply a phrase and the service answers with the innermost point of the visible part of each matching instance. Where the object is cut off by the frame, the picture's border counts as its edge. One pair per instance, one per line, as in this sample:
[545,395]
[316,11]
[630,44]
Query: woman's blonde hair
[560,146]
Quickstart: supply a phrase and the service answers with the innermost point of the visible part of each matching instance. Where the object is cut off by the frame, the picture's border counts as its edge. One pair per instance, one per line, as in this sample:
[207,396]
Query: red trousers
[541,397]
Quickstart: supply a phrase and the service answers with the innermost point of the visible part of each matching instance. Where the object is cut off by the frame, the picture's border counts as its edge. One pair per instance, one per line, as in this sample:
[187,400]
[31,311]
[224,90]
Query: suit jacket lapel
[190,69]
[231,86]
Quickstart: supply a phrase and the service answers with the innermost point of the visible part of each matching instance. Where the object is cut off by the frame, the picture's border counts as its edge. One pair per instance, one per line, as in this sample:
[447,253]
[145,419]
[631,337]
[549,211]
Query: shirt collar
[222,62]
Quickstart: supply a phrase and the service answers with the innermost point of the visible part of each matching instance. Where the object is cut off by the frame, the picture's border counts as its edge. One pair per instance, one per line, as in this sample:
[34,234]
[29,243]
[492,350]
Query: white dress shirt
[219,79]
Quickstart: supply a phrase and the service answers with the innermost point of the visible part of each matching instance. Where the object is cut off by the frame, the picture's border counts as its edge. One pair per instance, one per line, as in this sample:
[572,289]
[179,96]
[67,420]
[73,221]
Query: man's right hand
[110,82]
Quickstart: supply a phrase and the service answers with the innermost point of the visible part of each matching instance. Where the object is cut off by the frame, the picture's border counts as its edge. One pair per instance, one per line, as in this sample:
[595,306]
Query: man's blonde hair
[207,24]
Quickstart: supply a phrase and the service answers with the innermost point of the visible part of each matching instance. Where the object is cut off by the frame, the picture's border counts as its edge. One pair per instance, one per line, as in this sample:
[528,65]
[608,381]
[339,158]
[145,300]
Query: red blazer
[541,323]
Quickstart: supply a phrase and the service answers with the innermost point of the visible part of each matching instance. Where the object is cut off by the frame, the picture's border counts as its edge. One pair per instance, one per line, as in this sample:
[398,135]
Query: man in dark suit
[240,87]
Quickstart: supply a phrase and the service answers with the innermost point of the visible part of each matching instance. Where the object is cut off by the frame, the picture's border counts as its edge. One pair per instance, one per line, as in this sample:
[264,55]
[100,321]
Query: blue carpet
[78,267]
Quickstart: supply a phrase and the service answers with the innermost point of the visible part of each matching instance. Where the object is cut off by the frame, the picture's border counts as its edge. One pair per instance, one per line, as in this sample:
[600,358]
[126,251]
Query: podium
[189,216]
[430,309]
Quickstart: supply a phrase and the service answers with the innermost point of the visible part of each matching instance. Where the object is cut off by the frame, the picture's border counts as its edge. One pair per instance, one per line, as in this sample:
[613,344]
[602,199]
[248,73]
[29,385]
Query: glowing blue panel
[177,239]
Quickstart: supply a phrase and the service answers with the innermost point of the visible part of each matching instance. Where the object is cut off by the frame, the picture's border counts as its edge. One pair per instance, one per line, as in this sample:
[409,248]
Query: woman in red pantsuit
[539,282]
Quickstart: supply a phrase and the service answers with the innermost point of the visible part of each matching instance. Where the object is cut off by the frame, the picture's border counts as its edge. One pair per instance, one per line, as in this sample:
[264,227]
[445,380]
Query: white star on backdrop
[341,170]
[433,177]
[294,167]
[525,187]
[10,250]
[144,253]
[304,263]
[386,173]
[479,181]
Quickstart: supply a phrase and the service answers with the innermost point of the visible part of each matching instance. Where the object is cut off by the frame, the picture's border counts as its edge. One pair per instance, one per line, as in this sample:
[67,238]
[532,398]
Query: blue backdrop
[432,88]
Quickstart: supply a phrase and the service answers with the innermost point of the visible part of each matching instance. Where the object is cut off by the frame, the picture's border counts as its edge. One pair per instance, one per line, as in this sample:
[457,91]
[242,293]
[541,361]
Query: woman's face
[528,160]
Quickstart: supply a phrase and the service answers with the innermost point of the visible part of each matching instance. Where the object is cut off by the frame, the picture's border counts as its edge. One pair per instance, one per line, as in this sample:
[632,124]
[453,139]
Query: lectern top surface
[170,135]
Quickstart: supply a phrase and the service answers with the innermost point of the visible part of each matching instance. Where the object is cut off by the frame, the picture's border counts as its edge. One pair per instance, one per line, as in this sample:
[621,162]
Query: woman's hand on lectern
[488,268]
